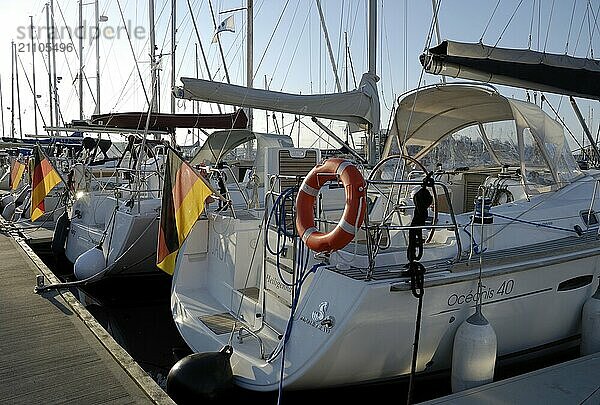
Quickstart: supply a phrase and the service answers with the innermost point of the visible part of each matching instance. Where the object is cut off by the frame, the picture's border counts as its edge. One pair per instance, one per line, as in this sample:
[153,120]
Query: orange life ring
[354,211]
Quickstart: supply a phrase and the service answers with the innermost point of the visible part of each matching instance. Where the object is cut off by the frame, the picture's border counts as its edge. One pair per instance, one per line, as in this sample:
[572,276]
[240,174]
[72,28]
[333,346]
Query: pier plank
[573,382]
[49,353]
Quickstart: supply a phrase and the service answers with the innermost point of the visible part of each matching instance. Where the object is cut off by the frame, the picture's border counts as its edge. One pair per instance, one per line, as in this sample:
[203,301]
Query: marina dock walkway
[573,382]
[52,350]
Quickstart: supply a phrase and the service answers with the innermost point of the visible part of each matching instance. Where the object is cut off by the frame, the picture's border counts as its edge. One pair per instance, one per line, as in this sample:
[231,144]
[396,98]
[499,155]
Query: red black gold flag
[16,174]
[183,199]
[43,179]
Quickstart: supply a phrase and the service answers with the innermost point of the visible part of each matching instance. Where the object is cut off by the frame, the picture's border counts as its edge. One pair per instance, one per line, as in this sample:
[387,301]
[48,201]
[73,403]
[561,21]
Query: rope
[577,231]
[288,329]
[422,200]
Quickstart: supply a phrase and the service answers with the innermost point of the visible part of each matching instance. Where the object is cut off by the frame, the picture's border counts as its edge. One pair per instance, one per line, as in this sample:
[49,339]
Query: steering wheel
[410,159]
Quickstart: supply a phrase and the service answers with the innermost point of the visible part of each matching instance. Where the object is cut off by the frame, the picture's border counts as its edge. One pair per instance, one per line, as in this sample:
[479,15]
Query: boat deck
[586,244]
[52,350]
[35,233]
[573,382]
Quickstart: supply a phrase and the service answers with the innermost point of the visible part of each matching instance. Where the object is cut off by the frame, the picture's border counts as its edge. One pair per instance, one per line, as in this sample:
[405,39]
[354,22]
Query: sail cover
[360,106]
[562,74]
[169,122]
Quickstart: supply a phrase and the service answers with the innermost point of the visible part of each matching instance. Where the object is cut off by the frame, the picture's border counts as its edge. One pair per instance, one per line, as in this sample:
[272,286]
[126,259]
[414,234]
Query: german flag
[16,174]
[183,199]
[43,179]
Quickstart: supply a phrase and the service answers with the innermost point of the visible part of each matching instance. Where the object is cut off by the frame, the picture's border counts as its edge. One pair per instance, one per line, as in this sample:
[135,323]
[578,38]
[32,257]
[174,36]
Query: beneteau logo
[317,319]
[319,315]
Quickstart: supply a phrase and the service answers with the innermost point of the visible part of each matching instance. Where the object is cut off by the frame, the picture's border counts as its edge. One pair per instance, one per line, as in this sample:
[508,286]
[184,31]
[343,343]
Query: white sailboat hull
[128,237]
[532,295]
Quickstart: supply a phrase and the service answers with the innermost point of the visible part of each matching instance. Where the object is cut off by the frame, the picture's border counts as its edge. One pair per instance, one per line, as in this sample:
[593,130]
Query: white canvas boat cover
[426,116]
[523,68]
[360,106]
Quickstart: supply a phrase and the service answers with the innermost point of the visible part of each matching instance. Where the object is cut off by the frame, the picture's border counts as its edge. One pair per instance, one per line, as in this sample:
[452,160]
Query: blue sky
[289,48]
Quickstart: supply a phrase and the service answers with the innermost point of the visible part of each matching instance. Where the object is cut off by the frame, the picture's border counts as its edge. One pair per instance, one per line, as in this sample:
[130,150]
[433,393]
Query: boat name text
[486,293]
[278,284]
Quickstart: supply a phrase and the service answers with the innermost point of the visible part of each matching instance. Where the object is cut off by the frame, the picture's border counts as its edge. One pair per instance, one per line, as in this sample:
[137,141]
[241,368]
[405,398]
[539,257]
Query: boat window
[467,148]
[537,172]
[502,137]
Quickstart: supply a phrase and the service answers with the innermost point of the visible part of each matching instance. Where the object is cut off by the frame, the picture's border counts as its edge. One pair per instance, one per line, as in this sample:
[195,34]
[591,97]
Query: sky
[290,52]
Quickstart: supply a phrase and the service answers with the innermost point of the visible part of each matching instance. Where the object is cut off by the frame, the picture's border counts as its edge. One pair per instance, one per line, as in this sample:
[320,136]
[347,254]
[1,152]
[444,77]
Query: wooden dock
[52,350]
[575,381]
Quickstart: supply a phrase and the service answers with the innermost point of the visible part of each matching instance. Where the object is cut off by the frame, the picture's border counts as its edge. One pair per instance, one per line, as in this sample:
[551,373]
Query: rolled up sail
[523,68]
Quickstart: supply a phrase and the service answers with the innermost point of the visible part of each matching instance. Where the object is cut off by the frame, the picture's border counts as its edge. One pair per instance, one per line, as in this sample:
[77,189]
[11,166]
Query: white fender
[474,353]
[89,263]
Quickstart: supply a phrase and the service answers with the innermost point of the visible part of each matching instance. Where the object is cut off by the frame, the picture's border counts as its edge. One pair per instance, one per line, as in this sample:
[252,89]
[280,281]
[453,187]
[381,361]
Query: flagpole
[55,169]
[173,38]
[210,186]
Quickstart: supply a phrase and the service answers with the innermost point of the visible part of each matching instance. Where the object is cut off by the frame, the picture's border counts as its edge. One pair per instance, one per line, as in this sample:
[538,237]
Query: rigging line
[595,15]
[31,88]
[562,121]
[489,21]
[310,62]
[405,46]
[210,77]
[570,26]
[284,44]
[531,26]
[508,23]
[340,34]
[270,39]
[400,166]
[183,59]
[358,7]
[133,53]
[389,61]
[223,61]
[319,137]
[589,30]
[539,23]
[296,48]
[581,27]
[549,24]
[351,66]
[187,20]
[70,37]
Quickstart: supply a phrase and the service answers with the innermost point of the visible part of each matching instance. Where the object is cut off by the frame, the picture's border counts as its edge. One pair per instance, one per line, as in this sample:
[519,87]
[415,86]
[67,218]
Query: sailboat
[476,208]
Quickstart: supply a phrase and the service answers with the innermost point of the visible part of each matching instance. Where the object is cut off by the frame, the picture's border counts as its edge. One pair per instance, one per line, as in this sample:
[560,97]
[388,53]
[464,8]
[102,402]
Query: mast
[250,64]
[371,151]
[153,67]
[97,15]
[55,87]
[173,35]
[49,65]
[196,105]
[331,57]
[80,82]
[35,120]
[12,89]
[18,92]
[586,129]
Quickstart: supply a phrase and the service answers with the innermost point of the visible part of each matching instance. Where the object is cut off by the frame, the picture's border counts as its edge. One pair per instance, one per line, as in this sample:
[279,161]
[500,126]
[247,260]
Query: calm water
[136,312]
